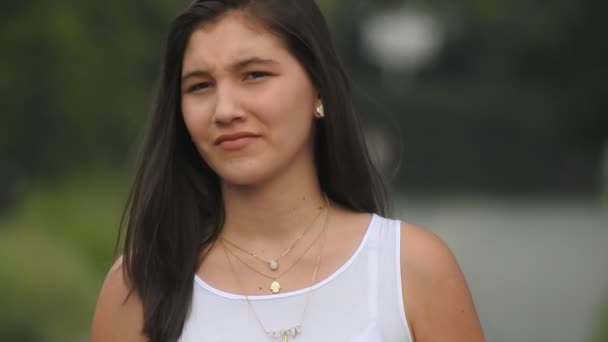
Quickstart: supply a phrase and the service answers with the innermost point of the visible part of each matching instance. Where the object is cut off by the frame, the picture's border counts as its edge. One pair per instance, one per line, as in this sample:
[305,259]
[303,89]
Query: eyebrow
[239,65]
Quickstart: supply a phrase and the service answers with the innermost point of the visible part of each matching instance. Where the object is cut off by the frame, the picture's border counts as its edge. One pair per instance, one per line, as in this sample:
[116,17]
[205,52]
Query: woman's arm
[437,300]
[115,319]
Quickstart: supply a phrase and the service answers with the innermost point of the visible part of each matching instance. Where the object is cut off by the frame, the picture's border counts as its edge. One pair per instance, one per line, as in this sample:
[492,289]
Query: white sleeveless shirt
[360,302]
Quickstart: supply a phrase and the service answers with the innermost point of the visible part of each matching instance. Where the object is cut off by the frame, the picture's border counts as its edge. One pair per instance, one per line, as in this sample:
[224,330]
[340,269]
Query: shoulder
[425,253]
[118,313]
[436,297]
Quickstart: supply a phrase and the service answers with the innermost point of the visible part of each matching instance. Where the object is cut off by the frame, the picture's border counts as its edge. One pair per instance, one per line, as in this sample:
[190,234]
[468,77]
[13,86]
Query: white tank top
[360,302]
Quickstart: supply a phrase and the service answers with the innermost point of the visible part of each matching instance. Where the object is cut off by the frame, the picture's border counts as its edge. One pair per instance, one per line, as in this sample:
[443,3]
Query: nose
[227,107]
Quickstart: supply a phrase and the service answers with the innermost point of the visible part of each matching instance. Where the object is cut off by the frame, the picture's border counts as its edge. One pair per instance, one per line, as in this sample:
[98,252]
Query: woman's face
[246,101]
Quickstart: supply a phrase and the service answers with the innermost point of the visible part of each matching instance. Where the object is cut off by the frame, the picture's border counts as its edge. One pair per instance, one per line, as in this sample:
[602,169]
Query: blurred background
[488,118]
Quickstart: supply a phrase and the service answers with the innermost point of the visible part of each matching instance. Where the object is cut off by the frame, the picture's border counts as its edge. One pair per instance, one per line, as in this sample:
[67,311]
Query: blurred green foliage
[53,254]
[515,102]
[78,77]
[601,333]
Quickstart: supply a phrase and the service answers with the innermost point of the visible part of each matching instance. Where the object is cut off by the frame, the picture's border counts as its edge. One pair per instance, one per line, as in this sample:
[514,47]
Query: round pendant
[273,264]
[275,287]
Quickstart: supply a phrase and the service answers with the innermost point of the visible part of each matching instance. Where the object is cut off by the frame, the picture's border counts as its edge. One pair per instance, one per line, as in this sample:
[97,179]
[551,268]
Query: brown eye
[256,75]
[198,87]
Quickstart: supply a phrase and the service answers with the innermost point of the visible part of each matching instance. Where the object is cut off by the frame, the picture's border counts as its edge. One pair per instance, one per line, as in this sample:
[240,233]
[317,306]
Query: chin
[243,176]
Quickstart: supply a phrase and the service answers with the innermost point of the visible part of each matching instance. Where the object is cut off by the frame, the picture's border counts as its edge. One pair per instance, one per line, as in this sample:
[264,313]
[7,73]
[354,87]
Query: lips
[235,140]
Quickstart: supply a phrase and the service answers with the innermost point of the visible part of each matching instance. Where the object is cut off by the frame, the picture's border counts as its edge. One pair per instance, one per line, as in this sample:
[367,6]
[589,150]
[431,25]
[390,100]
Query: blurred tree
[513,101]
[78,78]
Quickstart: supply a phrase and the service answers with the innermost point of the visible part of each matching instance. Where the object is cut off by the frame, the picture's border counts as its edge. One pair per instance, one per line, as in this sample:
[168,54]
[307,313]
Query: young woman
[256,214]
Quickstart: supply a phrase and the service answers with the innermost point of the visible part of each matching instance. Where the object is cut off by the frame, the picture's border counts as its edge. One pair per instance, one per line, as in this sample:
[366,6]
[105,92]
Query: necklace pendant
[275,287]
[284,335]
[273,264]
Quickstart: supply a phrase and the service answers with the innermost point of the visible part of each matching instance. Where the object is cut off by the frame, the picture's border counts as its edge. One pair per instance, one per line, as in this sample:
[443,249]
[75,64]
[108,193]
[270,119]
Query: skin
[237,77]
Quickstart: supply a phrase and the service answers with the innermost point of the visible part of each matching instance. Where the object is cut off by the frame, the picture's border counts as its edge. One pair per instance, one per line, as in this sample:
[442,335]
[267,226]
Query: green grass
[54,251]
[601,333]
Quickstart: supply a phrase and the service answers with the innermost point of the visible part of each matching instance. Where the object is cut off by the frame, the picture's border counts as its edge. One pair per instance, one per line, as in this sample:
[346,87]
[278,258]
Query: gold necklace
[275,285]
[273,263]
[294,331]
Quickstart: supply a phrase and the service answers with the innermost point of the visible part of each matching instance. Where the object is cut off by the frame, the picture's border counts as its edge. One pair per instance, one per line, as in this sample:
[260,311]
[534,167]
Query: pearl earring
[320,112]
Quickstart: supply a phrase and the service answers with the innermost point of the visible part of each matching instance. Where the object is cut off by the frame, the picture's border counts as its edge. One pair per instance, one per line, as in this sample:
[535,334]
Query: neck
[274,212]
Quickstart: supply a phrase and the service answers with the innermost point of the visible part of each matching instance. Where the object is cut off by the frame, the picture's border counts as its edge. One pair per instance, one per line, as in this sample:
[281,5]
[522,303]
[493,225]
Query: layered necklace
[273,263]
[294,331]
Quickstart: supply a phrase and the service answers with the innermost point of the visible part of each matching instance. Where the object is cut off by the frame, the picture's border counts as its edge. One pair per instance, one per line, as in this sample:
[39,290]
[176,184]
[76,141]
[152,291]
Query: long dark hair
[174,210]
